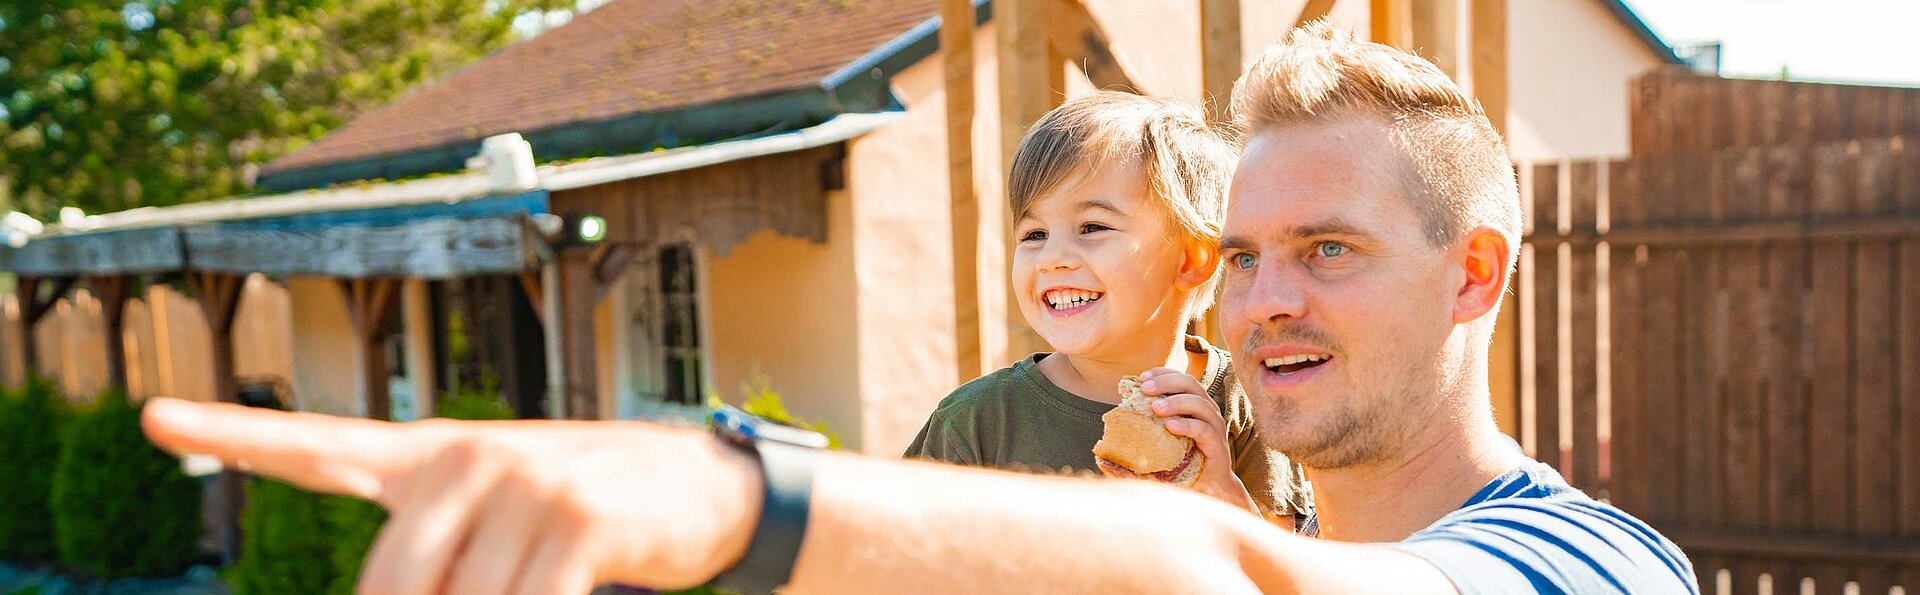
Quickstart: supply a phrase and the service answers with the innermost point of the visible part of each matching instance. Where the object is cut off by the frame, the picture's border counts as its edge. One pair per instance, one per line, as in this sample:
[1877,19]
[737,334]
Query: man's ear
[1483,260]
[1201,263]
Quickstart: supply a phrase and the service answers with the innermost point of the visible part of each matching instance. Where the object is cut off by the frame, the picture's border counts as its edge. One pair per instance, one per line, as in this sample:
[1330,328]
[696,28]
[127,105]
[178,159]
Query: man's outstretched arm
[540,507]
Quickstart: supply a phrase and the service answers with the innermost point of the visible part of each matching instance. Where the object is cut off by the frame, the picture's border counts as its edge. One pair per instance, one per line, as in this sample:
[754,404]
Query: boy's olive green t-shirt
[1015,418]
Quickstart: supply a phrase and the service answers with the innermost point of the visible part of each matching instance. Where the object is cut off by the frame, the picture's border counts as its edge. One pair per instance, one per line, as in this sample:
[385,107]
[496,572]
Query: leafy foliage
[121,508]
[108,106]
[30,422]
[288,545]
[763,401]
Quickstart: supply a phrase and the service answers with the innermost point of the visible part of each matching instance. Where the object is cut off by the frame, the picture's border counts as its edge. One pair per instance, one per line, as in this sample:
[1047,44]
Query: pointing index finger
[353,457]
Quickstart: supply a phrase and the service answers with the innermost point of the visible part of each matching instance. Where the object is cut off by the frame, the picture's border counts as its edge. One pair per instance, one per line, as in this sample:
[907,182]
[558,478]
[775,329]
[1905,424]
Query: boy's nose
[1054,257]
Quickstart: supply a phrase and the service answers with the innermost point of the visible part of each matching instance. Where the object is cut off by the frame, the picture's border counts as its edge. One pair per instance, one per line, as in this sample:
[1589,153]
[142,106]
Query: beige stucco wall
[1569,66]
[786,308]
[326,361]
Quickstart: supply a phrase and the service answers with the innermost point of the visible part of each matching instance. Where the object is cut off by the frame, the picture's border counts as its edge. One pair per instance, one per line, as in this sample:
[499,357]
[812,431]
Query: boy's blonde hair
[1188,164]
[1458,175]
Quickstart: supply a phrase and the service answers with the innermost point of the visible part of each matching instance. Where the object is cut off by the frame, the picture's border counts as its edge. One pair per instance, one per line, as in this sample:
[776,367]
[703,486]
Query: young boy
[1117,201]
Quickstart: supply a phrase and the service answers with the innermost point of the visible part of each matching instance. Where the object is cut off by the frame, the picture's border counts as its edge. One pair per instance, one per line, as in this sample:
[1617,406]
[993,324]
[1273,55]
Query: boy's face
[1097,269]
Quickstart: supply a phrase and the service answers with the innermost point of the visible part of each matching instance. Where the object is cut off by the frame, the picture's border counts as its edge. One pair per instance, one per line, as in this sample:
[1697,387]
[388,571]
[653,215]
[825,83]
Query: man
[1371,230]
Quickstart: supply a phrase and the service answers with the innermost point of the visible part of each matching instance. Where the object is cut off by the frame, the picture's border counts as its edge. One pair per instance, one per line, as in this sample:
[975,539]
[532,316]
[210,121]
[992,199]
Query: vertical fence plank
[1666,434]
[1829,346]
[1629,485]
[1787,489]
[1583,314]
[1873,409]
[1907,380]
[1546,311]
[1744,309]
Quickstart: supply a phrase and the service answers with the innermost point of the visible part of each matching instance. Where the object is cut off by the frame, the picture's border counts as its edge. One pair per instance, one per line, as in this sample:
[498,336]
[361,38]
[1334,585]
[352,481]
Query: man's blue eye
[1332,249]
[1244,261]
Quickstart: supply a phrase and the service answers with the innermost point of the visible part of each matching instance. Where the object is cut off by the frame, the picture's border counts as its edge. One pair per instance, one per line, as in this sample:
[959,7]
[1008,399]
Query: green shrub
[287,547]
[353,524]
[763,401]
[30,422]
[121,508]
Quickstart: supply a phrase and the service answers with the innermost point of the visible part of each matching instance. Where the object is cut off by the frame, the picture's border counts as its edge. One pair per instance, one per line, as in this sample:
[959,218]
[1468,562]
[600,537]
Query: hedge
[30,421]
[121,507]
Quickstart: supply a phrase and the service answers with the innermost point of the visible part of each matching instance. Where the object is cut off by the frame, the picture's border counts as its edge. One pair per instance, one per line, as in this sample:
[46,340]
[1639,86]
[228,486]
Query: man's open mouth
[1289,364]
[1068,299]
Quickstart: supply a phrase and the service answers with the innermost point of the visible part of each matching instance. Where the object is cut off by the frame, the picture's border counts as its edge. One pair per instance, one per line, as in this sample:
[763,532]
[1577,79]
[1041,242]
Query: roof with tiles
[627,57]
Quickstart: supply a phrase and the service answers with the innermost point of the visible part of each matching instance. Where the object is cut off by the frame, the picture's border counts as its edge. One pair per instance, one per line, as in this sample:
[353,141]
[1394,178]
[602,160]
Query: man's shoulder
[1534,534]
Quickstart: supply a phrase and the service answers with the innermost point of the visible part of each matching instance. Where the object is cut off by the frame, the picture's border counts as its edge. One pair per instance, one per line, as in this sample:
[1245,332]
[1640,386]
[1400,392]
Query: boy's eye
[1093,227]
[1033,236]
[1244,261]
[1330,249]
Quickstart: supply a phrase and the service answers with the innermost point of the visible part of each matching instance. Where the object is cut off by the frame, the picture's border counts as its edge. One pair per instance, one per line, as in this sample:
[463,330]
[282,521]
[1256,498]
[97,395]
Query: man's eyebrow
[1335,227]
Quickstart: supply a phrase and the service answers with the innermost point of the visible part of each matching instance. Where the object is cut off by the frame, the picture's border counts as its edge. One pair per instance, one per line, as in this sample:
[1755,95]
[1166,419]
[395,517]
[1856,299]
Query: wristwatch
[786,455]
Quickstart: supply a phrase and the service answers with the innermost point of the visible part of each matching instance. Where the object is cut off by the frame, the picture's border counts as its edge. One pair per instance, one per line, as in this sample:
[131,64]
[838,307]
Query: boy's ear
[1201,263]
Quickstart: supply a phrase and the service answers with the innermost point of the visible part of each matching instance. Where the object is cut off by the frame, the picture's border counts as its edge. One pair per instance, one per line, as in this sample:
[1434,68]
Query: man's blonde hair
[1460,176]
[1187,163]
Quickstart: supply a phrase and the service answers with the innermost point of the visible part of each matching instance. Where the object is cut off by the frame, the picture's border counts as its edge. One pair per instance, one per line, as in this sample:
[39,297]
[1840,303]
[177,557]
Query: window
[680,343]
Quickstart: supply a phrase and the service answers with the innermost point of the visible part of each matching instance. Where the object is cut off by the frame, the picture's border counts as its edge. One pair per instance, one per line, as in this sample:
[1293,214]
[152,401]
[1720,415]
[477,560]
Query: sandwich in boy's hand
[1136,443]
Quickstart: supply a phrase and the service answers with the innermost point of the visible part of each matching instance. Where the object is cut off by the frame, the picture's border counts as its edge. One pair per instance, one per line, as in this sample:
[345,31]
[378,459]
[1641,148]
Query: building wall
[1570,63]
[326,361]
[785,309]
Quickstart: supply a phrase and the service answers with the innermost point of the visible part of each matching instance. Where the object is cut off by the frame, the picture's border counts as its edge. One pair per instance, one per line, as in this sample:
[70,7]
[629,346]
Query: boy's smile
[1065,301]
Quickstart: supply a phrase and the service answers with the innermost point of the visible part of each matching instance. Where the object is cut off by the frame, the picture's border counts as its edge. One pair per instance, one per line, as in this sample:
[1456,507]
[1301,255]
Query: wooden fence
[1721,334]
[1727,344]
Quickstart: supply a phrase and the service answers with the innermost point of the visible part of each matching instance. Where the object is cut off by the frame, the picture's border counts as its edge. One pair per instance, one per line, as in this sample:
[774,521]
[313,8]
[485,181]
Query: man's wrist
[741,494]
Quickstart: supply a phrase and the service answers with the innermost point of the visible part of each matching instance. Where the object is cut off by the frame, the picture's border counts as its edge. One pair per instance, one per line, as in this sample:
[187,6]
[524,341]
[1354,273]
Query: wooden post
[1392,22]
[584,278]
[1486,79]
[112,291]
[33,307]
[1313,11]
[373,304]
[956,50]
[219,297]
[1020,44]
[1437,28]
[1081,42]
[1219,55]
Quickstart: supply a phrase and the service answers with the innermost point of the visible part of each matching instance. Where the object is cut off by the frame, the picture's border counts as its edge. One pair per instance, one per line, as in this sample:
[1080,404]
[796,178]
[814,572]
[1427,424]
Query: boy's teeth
[1274,362]
[1062,299]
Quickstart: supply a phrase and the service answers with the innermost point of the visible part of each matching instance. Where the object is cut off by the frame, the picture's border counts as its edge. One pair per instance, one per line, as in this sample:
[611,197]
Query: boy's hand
[1196,416]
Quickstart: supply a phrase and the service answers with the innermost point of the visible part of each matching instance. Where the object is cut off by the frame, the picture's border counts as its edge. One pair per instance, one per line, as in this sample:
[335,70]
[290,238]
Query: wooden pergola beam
[1021,46]
[1437,30]
[585,276]
[219,297]
[1314,10]
[113,290]
[38,296]
[1077,38]
[956,50]
[1391,22]
[1219,55]
[373,306]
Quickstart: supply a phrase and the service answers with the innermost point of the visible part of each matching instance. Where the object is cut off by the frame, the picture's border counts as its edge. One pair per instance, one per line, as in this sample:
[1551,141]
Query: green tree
[108,106]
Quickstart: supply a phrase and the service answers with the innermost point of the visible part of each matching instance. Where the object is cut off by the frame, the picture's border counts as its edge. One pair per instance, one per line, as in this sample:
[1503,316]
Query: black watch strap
[786,470]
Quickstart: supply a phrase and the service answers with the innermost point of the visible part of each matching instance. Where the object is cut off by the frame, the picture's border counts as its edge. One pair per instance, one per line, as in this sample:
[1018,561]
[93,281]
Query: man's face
[1338,307]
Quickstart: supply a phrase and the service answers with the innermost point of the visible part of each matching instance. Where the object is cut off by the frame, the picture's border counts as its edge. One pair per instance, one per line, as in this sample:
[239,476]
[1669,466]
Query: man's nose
[1278,292]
